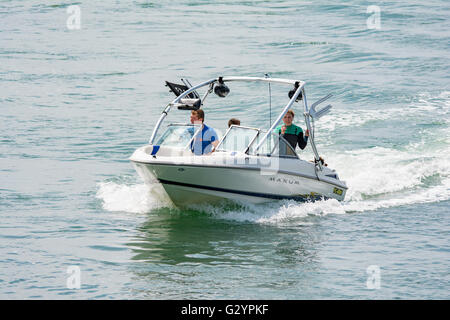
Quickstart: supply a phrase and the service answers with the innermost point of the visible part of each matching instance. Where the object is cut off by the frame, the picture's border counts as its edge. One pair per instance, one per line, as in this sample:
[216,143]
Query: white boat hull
[189,180]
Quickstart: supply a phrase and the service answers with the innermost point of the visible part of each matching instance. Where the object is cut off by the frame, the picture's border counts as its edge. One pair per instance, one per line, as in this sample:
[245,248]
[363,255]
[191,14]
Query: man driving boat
[205,141]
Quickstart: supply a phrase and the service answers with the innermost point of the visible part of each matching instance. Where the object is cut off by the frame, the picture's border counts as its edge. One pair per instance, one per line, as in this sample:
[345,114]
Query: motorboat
[249,164]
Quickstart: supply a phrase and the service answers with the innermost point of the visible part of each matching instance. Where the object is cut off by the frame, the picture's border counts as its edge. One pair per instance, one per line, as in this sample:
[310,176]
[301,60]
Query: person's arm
[302,140]
[215,144]
[214,140]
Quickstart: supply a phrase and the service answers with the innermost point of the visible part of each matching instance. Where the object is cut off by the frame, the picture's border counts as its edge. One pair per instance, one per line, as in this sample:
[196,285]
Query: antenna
[270,101]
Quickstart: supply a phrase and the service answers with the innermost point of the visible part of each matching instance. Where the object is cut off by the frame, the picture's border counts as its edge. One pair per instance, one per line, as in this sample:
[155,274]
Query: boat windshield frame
[247,148]
[271,153]
[227,133]
[171,125]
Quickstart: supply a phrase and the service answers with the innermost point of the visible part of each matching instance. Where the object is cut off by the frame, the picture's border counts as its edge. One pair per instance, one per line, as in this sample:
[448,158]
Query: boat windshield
[275,146]
[237,139]
[178,135]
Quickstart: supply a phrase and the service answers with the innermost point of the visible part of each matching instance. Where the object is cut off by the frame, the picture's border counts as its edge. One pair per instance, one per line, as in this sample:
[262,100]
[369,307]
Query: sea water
[82,86]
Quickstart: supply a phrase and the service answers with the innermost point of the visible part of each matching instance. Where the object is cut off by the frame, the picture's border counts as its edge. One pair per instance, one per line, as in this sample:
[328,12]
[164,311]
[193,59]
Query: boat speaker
[292,92]
[221,89]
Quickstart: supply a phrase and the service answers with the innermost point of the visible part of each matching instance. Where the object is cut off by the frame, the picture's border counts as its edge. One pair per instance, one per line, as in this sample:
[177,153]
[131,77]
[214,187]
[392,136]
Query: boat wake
[377,177]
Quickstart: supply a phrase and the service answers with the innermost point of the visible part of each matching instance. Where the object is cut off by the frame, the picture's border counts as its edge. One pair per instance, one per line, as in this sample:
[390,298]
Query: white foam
[134,198]
[290,212]
[377,170]
[434,194]
[423,106]
[280,212]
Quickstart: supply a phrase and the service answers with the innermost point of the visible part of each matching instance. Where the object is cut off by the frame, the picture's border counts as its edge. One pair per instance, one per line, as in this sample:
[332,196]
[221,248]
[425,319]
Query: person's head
[234,121]
[197,116]
[288,117]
